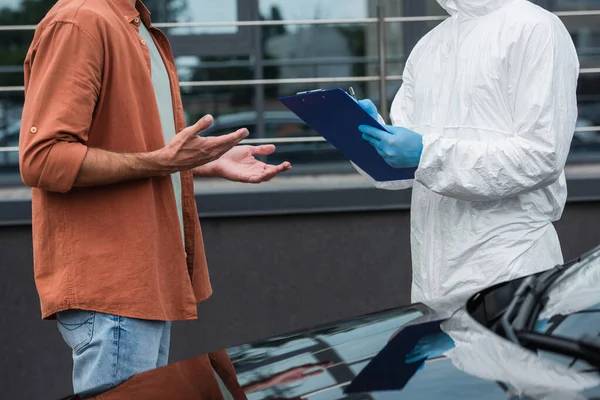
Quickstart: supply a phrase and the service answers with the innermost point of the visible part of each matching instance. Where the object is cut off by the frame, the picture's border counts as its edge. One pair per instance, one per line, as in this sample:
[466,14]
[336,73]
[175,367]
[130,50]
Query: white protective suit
[492,89]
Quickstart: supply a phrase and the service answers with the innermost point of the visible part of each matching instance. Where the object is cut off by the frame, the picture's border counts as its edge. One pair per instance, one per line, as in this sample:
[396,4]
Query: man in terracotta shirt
[118,249]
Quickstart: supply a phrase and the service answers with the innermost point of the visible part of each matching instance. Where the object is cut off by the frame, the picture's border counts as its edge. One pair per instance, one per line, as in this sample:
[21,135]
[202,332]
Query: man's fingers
[203,124]
[263,150]
[270,172]
[274,170]
[286,166]
[216,146]
[277,169]
[231,139]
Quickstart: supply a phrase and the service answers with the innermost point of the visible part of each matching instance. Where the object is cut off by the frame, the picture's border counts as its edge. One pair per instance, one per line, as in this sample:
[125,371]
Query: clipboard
[336,116]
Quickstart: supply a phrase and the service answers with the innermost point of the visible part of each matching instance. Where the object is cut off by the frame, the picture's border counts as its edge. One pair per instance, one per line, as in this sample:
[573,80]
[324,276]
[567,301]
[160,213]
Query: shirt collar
[134,14]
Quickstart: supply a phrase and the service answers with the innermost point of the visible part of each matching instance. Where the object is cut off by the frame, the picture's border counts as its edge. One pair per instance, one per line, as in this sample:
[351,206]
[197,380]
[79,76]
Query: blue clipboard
[336,116]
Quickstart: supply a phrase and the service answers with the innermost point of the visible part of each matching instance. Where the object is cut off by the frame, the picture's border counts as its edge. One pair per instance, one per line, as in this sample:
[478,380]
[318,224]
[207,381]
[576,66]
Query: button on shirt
[90,82]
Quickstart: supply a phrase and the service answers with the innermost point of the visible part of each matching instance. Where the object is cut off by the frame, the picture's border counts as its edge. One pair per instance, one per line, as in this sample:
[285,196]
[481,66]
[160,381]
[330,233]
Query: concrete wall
[271,275]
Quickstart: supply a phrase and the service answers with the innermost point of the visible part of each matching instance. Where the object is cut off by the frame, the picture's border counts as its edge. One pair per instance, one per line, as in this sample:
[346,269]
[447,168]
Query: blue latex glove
[370,108]
[430,346]
[399,147]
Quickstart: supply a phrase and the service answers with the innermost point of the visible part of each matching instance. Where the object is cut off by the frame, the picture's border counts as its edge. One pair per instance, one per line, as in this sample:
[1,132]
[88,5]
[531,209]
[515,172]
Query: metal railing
[303,139]
[382,78]
[353,21]
[256,82]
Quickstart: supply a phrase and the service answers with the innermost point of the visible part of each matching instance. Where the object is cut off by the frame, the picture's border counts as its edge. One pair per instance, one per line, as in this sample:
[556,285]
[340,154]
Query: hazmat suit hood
[472,8]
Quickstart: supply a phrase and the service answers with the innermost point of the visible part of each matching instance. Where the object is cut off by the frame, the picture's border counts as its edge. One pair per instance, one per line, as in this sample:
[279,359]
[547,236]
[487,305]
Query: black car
[533,338]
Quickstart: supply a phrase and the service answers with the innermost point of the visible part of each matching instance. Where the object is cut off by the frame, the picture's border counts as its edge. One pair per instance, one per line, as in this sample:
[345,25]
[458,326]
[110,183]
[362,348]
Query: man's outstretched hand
[240,165]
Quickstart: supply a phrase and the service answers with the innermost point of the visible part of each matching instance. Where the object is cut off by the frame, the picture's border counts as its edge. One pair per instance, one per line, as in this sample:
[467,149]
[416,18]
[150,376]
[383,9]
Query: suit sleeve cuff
[430,159]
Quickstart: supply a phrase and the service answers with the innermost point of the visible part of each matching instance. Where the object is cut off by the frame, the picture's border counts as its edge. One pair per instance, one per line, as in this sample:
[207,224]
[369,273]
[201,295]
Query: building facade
[236,57]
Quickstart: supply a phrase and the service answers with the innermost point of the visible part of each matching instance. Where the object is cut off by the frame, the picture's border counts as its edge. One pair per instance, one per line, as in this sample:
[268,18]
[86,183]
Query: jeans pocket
[76,328]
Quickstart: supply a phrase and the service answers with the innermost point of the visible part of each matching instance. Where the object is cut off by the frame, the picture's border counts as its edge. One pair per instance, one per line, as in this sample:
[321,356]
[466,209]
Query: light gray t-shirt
[162,89]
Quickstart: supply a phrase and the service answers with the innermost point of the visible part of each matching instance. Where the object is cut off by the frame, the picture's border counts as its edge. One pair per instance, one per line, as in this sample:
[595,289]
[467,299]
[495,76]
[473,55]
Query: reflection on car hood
[333,361]
[481,364]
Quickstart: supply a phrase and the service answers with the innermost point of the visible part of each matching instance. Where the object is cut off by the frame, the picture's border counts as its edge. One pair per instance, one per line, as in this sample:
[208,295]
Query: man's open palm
[240,165]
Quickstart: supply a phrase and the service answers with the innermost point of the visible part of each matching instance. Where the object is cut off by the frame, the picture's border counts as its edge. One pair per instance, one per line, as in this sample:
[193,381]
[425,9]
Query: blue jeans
[108,349]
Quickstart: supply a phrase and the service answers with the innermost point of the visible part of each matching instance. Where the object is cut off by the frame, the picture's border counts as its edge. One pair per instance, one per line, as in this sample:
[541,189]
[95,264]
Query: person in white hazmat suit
[487,112]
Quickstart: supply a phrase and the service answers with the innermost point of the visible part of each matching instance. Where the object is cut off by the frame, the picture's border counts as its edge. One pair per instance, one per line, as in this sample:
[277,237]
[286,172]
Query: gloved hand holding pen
[399,147]
[370,108]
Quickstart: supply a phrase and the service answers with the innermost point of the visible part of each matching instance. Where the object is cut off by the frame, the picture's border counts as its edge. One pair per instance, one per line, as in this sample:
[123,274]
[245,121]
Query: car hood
[360,358]
[365,357]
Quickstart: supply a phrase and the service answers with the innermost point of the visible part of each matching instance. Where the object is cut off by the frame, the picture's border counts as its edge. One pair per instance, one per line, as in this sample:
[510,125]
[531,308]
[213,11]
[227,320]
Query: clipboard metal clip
[310,91]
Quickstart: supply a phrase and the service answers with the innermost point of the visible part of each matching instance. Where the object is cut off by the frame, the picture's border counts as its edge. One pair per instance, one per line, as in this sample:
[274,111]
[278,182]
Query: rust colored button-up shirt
[115,249]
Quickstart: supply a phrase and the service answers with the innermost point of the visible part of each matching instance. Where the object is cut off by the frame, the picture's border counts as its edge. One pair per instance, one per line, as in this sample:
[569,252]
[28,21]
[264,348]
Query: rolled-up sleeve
[65,78]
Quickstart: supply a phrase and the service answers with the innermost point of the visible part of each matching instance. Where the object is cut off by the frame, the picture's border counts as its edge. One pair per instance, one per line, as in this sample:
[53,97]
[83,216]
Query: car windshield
[573,310]
[554,313]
